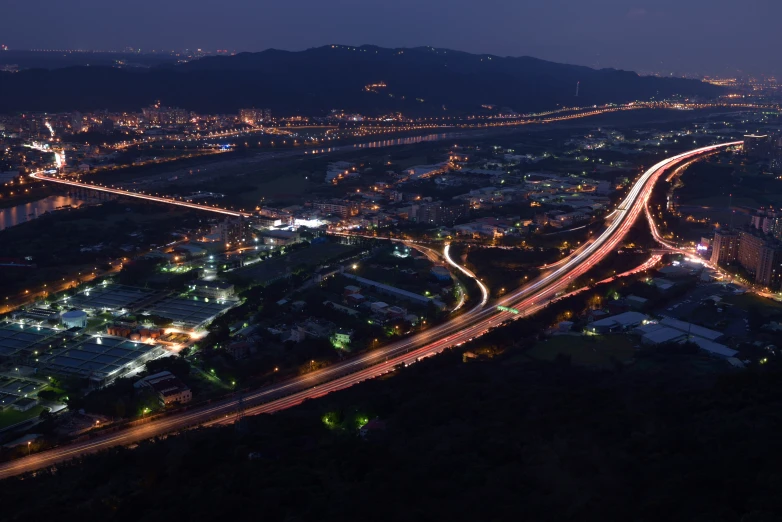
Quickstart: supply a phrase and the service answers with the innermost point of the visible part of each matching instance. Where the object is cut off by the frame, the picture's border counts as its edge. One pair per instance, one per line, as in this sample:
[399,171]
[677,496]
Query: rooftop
[98,357]
[110,297]
[625,319]
[692,329]
[220,285]
[16,337]
[190,311]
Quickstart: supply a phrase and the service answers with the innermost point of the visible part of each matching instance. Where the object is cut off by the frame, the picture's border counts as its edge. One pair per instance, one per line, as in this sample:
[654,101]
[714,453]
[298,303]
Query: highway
[471,324]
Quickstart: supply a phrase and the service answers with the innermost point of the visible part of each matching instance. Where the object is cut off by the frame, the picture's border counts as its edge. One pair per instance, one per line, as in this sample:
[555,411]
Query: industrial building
[190,312]
[216,289]
[20,341]
[19,392]
[111,298]
[616,323]
[99,359]
[168,388]
[74,319]
[280,237]
[670,330]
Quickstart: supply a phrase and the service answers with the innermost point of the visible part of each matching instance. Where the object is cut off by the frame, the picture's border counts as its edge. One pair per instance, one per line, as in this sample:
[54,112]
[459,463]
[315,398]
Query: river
[29,211]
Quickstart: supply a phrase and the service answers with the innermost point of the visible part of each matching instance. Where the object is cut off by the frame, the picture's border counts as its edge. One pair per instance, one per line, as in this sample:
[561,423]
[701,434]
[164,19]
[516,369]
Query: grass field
[766,307]
[11,416]
[600,351]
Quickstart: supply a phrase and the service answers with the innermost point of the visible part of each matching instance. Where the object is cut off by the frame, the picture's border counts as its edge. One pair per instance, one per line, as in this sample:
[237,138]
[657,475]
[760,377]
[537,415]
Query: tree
[177,365]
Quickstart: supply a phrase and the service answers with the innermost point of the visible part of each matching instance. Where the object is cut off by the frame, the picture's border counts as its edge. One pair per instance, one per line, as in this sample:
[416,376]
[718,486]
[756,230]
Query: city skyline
[666,36]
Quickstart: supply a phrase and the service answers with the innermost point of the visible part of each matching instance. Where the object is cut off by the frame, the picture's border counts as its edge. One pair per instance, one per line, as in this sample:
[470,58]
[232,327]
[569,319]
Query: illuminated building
[234,230]
[254,116]
[725,249]
[750,246]
[757,146]
[769,273]
[761,255]
[769,221]
[337,208]
[438,213]
[158,115]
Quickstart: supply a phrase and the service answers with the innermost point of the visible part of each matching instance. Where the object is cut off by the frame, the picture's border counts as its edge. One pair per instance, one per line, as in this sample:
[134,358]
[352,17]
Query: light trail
[468,273]
[146,197]
[372,364]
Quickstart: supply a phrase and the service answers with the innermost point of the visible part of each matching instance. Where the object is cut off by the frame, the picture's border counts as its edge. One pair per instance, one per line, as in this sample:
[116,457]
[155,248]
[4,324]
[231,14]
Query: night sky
[697,36]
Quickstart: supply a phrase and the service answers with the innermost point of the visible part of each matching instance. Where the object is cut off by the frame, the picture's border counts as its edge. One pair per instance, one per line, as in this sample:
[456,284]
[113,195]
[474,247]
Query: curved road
[471,324]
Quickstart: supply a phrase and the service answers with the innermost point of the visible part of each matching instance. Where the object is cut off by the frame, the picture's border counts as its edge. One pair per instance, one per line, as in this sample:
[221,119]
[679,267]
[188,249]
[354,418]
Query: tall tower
[578,84]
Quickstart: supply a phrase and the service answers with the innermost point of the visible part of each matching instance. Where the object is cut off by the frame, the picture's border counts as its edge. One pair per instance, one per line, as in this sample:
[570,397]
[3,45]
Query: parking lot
[695,307]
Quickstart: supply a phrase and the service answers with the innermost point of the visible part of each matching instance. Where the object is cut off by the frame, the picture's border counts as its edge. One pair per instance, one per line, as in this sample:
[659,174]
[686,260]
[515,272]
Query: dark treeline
[502,439]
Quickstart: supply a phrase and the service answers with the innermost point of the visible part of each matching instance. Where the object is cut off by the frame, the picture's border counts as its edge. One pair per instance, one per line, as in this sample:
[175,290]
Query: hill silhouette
[419,81]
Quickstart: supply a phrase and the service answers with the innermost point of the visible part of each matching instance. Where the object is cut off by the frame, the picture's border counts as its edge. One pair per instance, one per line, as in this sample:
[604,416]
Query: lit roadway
[469,325]
[127,193]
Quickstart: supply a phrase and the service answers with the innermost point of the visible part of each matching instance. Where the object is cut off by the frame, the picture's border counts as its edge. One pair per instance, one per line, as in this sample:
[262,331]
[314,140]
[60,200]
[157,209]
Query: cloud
[637,13]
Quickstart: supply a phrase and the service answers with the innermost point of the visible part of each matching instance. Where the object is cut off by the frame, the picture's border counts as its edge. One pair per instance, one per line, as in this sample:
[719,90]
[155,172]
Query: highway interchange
[463,328]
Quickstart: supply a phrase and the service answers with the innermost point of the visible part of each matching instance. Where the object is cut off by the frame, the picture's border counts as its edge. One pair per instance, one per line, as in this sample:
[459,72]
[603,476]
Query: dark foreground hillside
[670,438]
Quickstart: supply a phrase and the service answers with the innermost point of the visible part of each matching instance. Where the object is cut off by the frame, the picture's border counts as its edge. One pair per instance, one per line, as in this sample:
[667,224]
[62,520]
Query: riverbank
[28,211]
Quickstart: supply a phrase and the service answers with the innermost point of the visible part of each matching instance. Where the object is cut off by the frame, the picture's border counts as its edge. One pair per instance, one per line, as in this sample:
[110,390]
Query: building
[77,122]
[761,256]
[169,389]
[234,230]
[750,246]
[438,213]
[426,171]
[440,273]
[725,249]
[656,334]
[342,209]
[98,359]
[239,350]
[280,237]
[341,338]
[25,404]
[262,222]
[769,272]
[713,349]
[769,222]
[670,330]
[159,115]
[635,302]
[757,146]
[253,116]
[616,323]
[691,329]
[75,319]
[216,289]
[352,289]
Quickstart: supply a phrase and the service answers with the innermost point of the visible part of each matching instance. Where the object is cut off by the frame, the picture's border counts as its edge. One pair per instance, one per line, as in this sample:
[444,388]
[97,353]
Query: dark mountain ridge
[419,81]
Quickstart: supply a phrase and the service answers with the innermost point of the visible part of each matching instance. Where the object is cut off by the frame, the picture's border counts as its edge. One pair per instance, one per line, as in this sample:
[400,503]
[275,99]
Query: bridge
[96,187]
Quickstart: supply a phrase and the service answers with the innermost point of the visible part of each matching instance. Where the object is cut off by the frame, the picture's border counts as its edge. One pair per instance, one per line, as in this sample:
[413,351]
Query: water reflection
[21,213]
